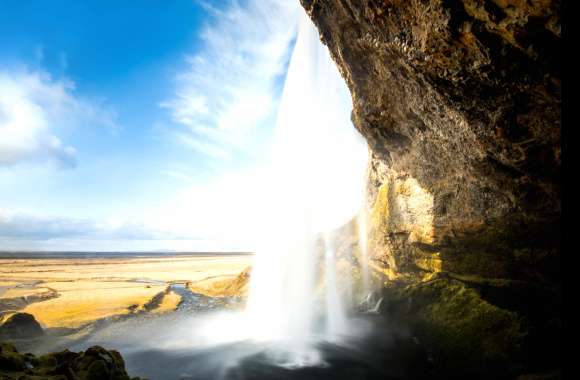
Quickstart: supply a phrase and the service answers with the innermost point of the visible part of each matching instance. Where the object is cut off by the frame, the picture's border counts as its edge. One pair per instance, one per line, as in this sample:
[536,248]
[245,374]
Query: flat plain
[74,292]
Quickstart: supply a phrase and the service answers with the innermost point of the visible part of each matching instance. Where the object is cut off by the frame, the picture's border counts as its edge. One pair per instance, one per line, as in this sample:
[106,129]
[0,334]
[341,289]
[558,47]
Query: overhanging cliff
[459,101]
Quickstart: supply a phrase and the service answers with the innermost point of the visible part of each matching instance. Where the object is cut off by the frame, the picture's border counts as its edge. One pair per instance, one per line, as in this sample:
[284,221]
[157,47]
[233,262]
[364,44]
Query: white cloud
[223,214]
[16,225]
[178,227]
[203,145]
[179,176]
[33,107]
[229,89]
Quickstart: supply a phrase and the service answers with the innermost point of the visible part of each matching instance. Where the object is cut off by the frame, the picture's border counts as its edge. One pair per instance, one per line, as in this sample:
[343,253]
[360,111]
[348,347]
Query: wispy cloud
[230,87]
[25,226]
[180,176]
[203,145]
[33,107]
[25,231]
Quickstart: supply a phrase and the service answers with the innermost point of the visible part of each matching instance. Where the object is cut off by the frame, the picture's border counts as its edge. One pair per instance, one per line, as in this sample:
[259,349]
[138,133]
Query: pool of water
[211,344]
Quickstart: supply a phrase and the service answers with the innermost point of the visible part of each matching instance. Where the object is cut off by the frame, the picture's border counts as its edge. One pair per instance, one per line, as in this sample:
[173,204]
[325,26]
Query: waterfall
[318,165]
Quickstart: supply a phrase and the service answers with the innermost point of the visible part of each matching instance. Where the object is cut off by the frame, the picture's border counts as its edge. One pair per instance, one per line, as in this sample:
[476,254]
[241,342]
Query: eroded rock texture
[95,363]
[459,101]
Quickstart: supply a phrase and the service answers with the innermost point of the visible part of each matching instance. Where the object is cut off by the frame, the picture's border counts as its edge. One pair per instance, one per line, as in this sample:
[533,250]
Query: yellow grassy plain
[25,292]
[169,303]
[91,289]
[85,301]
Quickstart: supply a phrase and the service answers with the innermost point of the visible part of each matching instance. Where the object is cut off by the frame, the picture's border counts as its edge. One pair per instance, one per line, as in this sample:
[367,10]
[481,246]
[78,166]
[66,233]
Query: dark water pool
[182,348]
[203,340]
[245,361]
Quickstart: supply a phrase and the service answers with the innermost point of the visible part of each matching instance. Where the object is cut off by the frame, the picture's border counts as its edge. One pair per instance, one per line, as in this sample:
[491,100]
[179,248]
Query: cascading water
[318,168]
[336,320]
[299,312]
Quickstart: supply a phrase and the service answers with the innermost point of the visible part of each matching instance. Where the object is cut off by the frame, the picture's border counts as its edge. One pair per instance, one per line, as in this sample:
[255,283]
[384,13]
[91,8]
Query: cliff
[459,101]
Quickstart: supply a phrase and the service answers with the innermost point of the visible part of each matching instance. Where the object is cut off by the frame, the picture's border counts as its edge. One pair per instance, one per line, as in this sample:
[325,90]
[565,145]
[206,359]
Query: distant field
[113,255]
[74,291]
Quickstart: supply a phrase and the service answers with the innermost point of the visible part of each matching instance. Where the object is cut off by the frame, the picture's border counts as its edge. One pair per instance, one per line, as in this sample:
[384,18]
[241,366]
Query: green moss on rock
[96,363]
[466,334]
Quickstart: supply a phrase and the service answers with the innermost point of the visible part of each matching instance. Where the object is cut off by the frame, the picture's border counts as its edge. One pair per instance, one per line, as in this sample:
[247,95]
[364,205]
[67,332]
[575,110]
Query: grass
[91,289]
[169,303]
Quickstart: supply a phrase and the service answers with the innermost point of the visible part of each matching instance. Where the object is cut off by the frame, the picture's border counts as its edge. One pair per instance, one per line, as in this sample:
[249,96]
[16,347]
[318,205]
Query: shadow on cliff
[484,297]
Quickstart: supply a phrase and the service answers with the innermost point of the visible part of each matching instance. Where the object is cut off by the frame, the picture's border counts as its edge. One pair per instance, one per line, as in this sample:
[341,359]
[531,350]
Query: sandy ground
[74,292]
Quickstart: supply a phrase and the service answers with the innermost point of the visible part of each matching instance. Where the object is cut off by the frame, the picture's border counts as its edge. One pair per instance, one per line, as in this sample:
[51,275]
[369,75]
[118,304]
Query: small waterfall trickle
[375,309]
[336,323]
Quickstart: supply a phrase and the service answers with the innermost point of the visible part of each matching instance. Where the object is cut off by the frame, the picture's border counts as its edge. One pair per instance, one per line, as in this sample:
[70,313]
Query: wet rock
[460,103]
[20,326]
[467,335]
[10,359]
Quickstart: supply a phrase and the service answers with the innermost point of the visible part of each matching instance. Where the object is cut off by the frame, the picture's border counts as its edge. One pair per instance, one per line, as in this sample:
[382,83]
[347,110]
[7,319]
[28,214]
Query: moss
[466,333]
[98,370]
[95,363]
[10,359]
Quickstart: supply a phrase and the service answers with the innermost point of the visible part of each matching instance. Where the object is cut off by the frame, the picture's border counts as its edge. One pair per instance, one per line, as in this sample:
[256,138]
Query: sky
[128,126]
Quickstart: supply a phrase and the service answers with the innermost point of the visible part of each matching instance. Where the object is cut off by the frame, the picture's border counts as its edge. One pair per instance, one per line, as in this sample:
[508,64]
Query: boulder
[20,326]
[96,363]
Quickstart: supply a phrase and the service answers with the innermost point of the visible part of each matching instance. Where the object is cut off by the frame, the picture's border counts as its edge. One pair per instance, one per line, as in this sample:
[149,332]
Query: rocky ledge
[95,363]
[459,101]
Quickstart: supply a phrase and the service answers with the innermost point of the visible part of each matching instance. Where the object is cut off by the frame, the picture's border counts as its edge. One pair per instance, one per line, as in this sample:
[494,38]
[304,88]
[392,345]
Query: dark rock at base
[471,335]
[21,326]
[96,363]
[10,359]
[553,375]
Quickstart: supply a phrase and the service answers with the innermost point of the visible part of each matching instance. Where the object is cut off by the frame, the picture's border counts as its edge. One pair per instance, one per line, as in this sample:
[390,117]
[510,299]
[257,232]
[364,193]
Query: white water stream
[300,294]
[319,163]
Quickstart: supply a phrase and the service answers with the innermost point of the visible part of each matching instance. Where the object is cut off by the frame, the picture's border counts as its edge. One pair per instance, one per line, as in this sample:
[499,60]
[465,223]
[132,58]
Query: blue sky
[131,125]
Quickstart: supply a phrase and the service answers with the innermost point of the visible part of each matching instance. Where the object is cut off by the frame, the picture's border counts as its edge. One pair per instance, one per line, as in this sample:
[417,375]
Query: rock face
[20,326]
[96,363]
[459,101]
